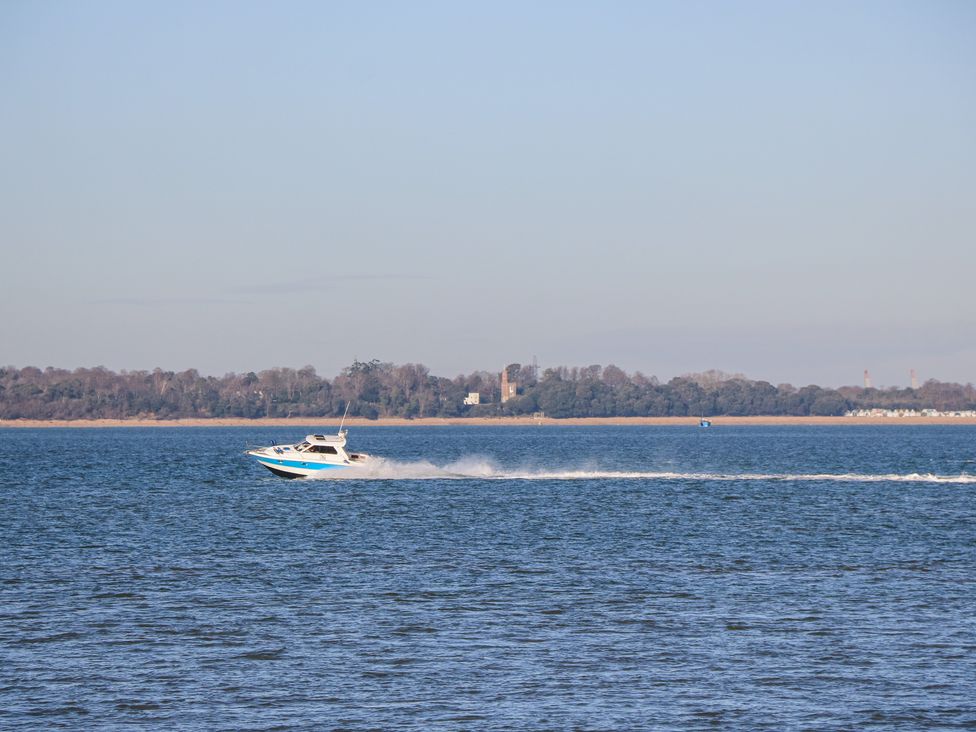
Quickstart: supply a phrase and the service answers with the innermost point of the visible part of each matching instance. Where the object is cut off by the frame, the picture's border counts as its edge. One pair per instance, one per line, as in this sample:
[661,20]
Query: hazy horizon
[721,374]
[784,191]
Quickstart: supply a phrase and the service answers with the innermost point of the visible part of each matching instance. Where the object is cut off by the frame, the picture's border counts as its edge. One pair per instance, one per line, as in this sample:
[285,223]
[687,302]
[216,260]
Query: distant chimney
[914,378]
[867,379]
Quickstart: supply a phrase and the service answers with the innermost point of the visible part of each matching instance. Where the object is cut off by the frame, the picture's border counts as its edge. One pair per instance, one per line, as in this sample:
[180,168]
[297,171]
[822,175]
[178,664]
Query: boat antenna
[343,421]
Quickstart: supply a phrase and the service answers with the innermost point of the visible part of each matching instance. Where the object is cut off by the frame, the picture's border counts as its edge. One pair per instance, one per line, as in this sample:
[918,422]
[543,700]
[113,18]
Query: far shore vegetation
[375,390]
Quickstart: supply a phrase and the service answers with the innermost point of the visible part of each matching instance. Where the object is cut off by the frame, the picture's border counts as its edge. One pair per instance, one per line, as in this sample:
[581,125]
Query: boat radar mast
[343,421]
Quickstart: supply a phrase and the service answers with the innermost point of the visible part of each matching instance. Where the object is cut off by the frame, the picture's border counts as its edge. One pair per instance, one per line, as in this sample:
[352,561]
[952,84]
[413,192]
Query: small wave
[485,469]
[264,655]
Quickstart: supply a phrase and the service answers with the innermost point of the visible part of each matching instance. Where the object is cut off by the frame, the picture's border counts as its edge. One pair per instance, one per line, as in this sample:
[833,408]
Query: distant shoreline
[330,422]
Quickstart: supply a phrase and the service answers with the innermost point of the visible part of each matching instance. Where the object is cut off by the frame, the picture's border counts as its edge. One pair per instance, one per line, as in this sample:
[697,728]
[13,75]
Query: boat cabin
[324,444]
[328,445]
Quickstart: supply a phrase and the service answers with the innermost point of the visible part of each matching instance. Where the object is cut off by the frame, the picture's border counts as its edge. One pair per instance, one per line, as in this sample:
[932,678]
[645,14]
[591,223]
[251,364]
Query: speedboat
[315,455]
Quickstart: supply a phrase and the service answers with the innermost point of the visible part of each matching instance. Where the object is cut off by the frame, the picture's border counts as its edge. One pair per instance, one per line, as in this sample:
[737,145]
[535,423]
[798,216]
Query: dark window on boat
[327,449]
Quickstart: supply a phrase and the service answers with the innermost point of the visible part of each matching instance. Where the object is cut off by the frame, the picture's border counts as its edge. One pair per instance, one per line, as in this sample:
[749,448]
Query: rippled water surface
[491,578]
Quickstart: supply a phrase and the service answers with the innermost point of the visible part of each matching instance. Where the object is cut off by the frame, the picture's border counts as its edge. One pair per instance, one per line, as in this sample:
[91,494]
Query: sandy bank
[330,423]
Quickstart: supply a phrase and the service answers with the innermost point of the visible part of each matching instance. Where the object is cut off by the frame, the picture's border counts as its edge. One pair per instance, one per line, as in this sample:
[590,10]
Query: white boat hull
[299,468]
[296,468]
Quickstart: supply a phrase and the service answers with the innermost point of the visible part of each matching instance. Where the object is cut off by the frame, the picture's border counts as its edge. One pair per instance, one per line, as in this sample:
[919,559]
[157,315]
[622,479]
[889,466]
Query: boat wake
[478,468]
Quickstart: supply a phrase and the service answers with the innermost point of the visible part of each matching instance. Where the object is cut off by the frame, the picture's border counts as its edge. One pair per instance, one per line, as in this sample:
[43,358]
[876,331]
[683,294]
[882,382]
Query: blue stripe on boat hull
[273,462]
[295,468]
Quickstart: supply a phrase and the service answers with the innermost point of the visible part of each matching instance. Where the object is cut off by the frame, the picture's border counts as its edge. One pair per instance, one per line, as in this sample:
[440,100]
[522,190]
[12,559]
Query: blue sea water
[565,578]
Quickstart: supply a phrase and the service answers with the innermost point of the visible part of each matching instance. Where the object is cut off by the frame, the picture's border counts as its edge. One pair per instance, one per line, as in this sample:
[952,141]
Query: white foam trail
[481,468]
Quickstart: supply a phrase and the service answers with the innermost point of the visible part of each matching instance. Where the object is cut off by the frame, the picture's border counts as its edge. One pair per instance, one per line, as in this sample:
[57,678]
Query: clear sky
[782,189]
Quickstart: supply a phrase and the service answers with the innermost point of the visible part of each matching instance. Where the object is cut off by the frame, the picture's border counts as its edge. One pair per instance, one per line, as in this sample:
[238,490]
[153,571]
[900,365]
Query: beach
[318,422]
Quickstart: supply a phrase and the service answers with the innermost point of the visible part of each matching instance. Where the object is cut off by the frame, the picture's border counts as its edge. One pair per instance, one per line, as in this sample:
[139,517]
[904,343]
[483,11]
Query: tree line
[376,389]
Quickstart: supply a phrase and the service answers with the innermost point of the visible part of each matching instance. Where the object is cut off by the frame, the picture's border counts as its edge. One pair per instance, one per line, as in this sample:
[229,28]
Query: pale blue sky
[779,188]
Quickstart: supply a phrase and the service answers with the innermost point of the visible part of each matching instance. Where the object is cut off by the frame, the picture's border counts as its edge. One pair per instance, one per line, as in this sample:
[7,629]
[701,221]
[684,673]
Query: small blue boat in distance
[704,422]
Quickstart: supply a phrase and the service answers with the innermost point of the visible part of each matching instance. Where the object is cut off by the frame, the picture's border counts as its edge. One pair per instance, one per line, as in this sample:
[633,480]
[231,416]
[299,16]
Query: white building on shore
[908,413]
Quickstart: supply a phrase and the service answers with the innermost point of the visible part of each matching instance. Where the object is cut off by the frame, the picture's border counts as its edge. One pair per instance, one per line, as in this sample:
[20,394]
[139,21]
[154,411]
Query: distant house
[472,398]
[877,412]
